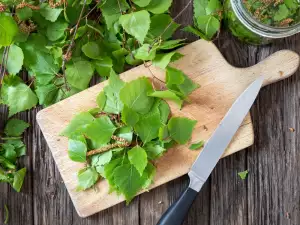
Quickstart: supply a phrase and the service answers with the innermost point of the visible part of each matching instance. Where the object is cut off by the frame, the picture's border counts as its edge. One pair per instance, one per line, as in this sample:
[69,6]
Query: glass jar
[247,29]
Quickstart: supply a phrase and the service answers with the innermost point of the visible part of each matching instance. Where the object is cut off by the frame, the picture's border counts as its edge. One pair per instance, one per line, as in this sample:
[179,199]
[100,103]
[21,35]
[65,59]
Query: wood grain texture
[259,200]
[220,83]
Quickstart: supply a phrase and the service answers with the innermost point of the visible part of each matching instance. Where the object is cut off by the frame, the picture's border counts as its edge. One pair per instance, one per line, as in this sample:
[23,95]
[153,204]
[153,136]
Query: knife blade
[211,153]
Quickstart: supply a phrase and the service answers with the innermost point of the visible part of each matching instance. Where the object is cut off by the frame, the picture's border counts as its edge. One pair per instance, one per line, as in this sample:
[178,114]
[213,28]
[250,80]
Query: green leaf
[56,30]
[200,7]
[282,13]
[149,173]
[154,150]
[100,130]
[4,177]
[197,146]
[208,25]
[15,127]
[160,26]
[112,92]
[145,52]
[109,172]
[141,3]
[176,80]
[47,94]
[78,124]
[138,158]
[134,95]
[137,24]
[103,66]
[6,214]
[15,59]
[194,31]
[9,152]
[72,12]
[164,111]
[87,177]
[119,59]
[77,150]
[180,129]
[213,7]
[81,31]
[38,59]
[174,77]
[128,181]
[19,179]
[291,4]
[167,95]
[129,116]
[243,175]
[49,13]
[171,44]
[163,133]
[19,147]
[101,100]
[79,74]
[159,6]
[91,50]
[8,30]
[6,163]
[111,11]
[99,161]
[24,13]
[126,133]
[163,60]
[148,126]
[17,95]
[131,60]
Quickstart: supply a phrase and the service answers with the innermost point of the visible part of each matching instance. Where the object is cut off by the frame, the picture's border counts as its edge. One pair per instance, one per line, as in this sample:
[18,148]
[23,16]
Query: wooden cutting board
[220,84]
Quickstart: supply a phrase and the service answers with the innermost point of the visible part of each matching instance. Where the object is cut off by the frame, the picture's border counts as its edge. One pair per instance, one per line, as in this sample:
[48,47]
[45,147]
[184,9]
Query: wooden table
[269,196]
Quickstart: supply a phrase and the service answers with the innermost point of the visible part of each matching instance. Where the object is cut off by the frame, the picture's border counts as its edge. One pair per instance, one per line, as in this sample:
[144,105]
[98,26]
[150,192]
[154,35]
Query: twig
[116,138]
[7,53]
[63,67]
[155,77]
[91,10]
[2,63]
[107,148]
[25,4]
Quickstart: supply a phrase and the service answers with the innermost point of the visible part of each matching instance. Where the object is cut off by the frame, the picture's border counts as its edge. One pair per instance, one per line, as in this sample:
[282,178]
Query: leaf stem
[86,16]
[10,138]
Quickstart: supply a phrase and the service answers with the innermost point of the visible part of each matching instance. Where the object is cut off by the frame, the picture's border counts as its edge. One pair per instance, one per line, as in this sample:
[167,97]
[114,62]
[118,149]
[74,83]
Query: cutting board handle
[276,67]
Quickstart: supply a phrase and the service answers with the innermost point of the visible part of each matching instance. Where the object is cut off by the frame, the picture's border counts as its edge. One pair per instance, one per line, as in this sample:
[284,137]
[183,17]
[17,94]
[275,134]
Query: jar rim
[259,28]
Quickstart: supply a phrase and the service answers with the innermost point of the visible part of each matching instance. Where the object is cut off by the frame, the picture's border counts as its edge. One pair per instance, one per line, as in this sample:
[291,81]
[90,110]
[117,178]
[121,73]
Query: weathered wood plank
[19,204]
[273,196]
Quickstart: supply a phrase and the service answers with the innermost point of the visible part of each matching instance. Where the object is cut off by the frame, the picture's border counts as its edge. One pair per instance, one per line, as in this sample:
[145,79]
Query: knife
[211,153]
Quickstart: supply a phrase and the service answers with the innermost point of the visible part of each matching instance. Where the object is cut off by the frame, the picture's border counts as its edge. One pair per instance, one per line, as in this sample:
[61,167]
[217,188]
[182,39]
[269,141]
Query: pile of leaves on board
[12,148]
[131,127]
[63,44]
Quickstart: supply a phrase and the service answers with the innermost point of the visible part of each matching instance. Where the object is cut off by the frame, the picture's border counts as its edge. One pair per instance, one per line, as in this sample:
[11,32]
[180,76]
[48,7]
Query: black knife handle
[177,212]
